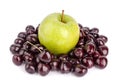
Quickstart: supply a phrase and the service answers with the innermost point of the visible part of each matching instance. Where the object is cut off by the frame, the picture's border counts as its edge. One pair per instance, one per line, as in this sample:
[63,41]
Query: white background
[15,15]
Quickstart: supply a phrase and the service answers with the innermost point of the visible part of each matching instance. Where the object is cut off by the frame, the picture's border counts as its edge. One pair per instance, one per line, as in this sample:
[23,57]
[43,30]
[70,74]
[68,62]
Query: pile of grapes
[90,51]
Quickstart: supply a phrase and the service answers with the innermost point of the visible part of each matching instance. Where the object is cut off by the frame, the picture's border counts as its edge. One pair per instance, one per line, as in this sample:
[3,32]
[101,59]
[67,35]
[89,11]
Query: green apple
[59,37]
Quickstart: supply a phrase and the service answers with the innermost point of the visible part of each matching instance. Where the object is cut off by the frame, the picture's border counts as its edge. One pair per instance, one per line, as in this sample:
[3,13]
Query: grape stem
[34,46]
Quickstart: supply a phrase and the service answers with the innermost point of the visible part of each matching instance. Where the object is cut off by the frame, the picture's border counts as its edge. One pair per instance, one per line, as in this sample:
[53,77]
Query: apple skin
[58,37]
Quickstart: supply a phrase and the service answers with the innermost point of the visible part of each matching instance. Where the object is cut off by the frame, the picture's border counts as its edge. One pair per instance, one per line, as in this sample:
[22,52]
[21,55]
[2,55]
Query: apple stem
[34,46]
[62,16]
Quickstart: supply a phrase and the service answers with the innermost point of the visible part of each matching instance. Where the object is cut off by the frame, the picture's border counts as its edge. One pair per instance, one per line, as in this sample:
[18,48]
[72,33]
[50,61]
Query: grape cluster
[90,51]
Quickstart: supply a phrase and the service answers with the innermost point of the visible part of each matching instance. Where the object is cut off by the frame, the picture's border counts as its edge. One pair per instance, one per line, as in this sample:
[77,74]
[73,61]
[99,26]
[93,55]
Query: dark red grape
[30,29]
[22,35]
[101,62]
[104,38]
[90,48]
[26,46]
[80,25]
[63,57]
[99,41]
[103,50]
[30,68]
[14,48]
[79,52]
[54,64]
[65,67]
[86,30]
[43,69]
[32,38]
[45,56]
[88,62]
[94,30]
[80,70]
[95,35]
[89,37]
[96,54]
[74,61]
[21,52]
[28,57]
[17,59]
[81,42]
[19,41]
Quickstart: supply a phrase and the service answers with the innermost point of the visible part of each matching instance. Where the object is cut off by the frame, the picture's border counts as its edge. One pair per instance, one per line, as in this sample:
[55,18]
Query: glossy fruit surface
[54,64]
[89,51]
[80,70]
[15,48]
[30,68]
[43,69]
[88,62]
[101,62]
[65,67]
[45,56]
[17,60]
[79,52]
[103,50]
[58,37]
